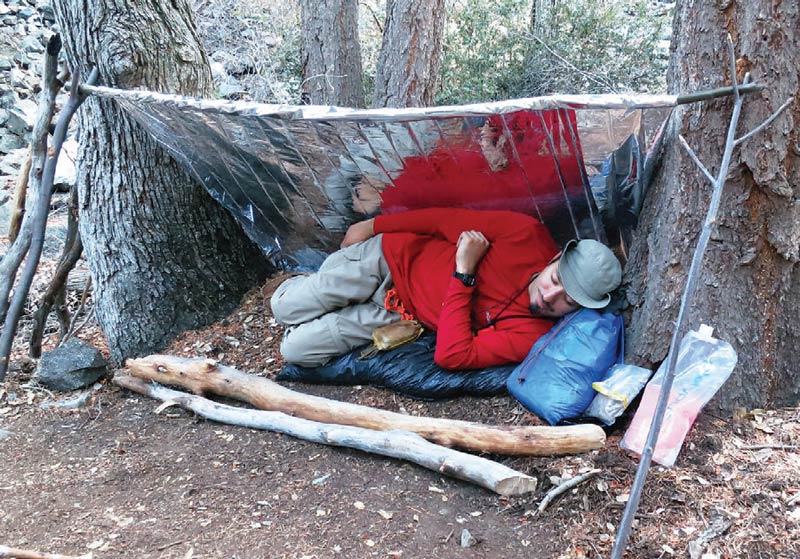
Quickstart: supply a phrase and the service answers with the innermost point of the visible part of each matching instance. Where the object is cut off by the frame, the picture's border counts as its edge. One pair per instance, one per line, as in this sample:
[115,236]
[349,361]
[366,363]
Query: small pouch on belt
[391,336]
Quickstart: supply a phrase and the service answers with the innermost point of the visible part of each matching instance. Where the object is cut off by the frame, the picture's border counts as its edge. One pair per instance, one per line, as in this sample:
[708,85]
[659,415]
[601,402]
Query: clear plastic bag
[623,384]
[704,364]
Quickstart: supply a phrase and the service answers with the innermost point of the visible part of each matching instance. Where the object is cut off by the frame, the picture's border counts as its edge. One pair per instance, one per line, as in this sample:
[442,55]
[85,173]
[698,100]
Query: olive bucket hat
[589,272]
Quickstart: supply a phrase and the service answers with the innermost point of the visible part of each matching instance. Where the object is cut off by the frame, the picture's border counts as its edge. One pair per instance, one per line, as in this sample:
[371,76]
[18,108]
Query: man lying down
[490,283]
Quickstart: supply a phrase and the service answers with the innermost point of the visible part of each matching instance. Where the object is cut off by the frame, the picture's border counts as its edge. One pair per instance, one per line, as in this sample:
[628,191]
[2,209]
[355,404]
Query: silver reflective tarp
[296,176]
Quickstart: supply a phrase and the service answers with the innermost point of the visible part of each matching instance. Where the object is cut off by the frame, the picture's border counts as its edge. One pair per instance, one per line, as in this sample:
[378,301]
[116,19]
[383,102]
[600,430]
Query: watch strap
[467,279]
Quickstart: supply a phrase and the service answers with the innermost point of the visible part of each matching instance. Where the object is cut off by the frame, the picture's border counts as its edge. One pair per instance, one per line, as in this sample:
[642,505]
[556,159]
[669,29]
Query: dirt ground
[115,479]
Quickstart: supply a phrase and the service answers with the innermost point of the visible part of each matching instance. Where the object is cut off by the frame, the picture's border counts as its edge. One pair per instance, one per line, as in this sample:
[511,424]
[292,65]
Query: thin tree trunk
[331,56]
[750,285]
[163,256]
[411,54]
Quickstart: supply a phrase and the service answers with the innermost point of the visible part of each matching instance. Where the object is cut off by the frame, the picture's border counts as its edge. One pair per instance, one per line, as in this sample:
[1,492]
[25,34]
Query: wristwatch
[467,279]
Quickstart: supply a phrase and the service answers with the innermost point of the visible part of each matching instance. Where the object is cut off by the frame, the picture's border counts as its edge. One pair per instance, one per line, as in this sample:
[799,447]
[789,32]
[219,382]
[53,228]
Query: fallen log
[396,444]
[204,376]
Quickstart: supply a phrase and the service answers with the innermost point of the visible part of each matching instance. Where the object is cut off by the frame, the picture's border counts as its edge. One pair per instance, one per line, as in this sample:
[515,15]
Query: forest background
[502,49]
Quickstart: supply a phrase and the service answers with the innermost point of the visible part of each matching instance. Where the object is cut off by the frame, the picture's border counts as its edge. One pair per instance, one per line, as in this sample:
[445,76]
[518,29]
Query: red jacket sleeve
[449,223]
[458,348]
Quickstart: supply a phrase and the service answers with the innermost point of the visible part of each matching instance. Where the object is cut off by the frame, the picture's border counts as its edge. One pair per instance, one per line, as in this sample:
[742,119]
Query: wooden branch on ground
[566,486]
[41,209]
[73,248]
[33,179]
[203,376]
[396,444]
[17,553]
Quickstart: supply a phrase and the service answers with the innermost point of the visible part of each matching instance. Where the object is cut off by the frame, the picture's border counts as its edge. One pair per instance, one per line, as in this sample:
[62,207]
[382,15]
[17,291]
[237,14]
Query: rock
[10,142]
[28,110]
[26,13]
[5,63]
[47,14]
[74,365]
[4,434]
[217,70]
[66,173]
[23,60]
[4,10]
[230,90]
[11,163]
[16,123]
[467,539]
[32,43]
[18,78]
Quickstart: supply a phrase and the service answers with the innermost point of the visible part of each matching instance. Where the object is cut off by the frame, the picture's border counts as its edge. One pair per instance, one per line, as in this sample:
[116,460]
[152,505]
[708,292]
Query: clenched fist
[472,246]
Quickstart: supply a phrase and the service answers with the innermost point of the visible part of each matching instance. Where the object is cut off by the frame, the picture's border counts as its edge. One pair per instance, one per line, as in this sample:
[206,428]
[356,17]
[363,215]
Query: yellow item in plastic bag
[391,336]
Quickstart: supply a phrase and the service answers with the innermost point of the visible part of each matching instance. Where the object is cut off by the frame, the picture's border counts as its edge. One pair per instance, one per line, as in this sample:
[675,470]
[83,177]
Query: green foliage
[484,50]
[577,46]
[599,47]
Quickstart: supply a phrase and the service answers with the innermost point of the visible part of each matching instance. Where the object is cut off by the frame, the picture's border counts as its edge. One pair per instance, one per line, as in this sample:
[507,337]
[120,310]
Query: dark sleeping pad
[408,369]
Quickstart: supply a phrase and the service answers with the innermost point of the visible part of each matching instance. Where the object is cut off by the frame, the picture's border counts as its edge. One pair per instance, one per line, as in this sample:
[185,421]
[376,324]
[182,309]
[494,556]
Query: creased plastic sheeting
[296,177]
[408,369]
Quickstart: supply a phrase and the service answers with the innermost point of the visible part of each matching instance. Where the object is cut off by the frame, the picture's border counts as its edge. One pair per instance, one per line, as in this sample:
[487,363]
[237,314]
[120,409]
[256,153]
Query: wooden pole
[202,376]
[41,208]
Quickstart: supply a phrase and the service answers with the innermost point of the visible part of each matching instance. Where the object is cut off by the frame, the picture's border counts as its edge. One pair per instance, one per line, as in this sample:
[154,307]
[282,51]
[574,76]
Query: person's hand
[358,232]
[472,246]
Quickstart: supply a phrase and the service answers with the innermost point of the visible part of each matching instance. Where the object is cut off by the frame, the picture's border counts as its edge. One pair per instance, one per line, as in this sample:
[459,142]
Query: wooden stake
[397,444]
[202,376]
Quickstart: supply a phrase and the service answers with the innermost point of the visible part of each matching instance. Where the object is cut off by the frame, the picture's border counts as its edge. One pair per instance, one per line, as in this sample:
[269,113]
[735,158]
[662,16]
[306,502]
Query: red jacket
[474,330]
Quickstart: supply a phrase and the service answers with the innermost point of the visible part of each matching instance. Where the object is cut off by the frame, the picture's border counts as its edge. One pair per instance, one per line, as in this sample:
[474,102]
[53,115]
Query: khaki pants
[335,309]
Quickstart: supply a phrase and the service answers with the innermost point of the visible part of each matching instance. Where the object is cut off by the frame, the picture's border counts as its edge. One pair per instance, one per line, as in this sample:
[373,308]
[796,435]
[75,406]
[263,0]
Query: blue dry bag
[555,379]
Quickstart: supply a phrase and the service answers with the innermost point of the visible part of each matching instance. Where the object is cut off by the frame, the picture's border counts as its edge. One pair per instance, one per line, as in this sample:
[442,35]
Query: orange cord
[393,303]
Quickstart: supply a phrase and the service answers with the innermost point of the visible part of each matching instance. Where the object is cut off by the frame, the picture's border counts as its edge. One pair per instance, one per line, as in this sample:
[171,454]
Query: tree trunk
[163,256]
[749,288]
[411,54]
[331,56]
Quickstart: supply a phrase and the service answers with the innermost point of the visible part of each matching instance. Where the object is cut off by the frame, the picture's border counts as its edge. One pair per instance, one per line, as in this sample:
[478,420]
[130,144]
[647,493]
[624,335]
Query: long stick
[17,553]
[73,248]
[396,444]
[39,222]
[201,376]
[32,179]
[680,326]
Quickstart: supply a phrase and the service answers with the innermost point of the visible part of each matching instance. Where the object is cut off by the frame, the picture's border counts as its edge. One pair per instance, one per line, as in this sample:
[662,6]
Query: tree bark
[331,56]
[163,256]
[749,289]
[201,376]
[411,54]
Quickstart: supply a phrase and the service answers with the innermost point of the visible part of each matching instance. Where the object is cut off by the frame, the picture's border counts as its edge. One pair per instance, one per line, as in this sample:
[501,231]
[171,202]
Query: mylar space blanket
[296,176]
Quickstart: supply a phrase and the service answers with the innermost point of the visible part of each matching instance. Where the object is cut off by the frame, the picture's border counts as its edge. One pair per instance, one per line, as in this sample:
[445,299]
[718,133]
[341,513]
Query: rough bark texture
[331,54]
[163,256]
[411,54]
[750,284]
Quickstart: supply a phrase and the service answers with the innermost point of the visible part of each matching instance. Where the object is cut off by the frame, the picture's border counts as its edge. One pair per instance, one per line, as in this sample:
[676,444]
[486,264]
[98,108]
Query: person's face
[548,297]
